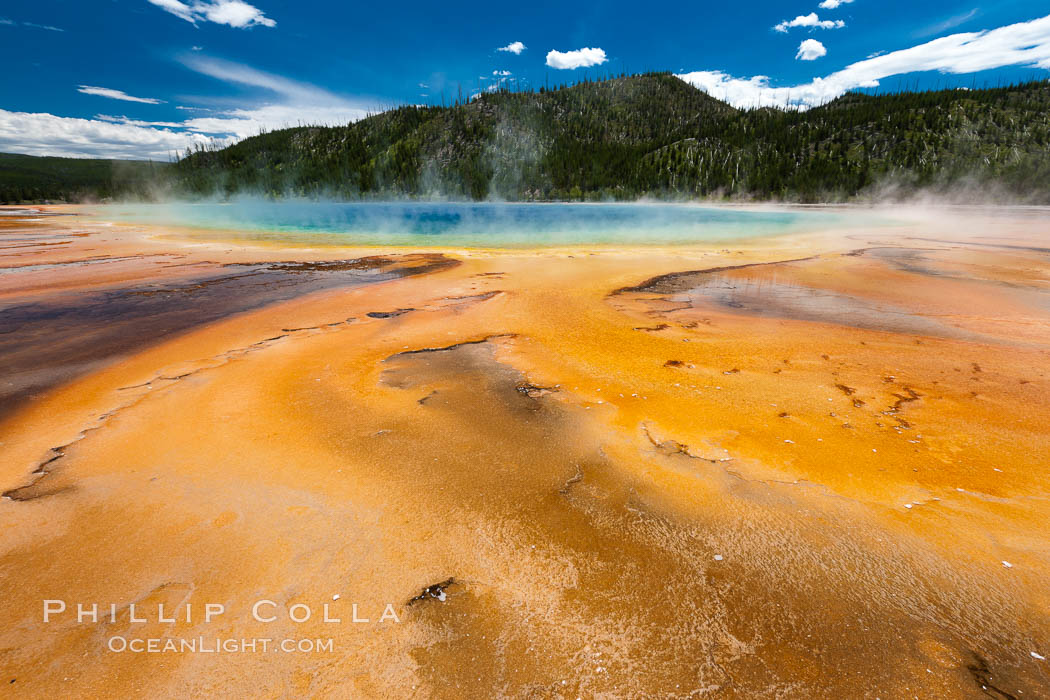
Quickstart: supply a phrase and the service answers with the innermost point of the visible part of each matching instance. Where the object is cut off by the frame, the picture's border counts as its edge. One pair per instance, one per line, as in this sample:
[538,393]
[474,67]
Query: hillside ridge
[622,138]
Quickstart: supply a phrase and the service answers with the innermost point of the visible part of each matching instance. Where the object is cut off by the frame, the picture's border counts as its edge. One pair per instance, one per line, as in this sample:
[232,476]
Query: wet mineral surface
[811,466]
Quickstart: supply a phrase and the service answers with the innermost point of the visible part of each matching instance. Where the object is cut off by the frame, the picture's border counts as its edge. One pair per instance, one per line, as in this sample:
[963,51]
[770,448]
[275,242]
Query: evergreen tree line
[40,179]
[651,135]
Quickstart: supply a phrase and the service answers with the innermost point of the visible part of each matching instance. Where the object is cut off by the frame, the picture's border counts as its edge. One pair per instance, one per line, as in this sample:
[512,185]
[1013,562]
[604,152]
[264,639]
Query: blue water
[478,225]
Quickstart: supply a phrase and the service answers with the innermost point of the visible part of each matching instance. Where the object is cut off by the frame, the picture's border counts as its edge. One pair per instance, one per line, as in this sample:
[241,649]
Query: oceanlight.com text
[206,645]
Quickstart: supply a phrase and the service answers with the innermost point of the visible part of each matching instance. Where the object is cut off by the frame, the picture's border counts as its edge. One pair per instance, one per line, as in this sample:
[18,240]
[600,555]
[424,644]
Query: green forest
[649,135]
[39,179]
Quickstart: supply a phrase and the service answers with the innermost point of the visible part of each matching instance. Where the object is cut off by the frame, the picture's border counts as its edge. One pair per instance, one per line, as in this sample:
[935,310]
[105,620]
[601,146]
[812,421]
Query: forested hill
[647,135]
[557,144]
[652,135]
[35,179]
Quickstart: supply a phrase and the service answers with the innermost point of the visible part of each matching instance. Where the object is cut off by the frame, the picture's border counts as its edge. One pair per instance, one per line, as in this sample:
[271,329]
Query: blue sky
[142,78]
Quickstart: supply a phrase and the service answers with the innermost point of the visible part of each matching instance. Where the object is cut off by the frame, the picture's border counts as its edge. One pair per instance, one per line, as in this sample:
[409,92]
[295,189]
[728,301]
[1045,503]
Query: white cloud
[48,27]
[293,103]
[235,13]
[514,47]
[949,23]
[46,134]
[298,103]
[294,92]
[833,4]
[810,21]
[117,95]
[177,8]
[120,137]
[1022,44]
[242,123]
[136,122]
[580,58]
[810,50]
[499,79]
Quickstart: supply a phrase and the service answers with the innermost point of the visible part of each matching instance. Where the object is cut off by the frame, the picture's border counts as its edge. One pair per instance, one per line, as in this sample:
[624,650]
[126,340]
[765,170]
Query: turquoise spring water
[479,225]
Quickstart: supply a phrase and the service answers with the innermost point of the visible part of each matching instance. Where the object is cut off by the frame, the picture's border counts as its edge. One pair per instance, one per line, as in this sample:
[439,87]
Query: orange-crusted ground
[820,478]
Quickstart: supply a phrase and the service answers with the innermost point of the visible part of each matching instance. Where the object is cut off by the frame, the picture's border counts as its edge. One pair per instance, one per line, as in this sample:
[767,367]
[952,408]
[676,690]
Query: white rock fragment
[718,557]
[335,597]
[1007,564]
[790,442]
[907,505]
[1038,656]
